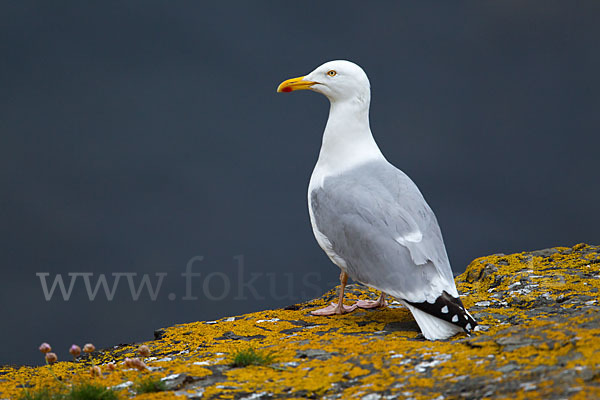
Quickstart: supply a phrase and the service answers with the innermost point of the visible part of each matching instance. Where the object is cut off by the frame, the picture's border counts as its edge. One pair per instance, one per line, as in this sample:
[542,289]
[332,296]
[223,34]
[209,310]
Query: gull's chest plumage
[316,182]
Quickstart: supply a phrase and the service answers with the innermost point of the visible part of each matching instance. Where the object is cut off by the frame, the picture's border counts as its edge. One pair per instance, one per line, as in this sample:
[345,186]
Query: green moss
[40,394]
[150,385]
[85,391]
[250,356]
[88,391]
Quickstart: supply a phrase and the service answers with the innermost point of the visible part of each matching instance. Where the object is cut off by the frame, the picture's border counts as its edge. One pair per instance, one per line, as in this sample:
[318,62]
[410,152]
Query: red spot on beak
[286,89]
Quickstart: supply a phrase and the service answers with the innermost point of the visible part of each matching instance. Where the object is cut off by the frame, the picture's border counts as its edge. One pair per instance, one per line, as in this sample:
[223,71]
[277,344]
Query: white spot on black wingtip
[468,327]
[445,309]
[455,318]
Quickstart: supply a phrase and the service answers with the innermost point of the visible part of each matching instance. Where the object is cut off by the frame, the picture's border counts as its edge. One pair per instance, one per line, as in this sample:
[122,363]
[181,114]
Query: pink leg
[338,308]
[379,303]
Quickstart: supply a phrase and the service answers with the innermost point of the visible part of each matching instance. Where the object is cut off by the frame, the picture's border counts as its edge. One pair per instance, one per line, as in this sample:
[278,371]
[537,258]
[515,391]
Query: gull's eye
[331,73]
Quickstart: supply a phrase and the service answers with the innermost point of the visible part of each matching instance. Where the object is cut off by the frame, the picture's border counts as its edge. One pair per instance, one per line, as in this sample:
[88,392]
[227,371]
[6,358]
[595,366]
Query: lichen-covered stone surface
[539,339]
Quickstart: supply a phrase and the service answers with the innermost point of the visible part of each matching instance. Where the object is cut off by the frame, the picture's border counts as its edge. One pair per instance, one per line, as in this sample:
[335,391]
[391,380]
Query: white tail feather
[433,328]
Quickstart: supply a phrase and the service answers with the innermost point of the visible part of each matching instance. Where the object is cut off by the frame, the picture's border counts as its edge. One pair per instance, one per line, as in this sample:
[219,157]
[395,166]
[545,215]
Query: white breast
[322,240]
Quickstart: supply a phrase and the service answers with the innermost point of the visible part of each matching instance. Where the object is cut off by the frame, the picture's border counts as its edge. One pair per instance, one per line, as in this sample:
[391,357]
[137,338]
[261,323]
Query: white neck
[347,140]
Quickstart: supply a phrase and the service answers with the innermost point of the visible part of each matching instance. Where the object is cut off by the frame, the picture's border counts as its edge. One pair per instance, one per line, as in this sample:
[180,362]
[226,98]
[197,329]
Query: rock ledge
[539,339]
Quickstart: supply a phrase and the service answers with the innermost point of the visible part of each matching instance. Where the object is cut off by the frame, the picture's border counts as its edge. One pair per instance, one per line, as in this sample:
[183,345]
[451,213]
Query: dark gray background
[135,136]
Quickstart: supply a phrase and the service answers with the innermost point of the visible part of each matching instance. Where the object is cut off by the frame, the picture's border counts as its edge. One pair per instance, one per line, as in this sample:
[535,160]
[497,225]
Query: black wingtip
[450,309]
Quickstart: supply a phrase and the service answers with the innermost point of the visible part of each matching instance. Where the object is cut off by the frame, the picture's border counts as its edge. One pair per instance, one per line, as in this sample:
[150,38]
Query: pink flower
[51,358]
[144,351]
[45,348]
[75,350]
[135,363]
[111,366]
[95,371]
[139,364]
[88,348]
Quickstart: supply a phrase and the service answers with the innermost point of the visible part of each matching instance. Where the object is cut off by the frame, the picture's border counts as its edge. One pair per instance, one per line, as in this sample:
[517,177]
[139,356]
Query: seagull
[370,218]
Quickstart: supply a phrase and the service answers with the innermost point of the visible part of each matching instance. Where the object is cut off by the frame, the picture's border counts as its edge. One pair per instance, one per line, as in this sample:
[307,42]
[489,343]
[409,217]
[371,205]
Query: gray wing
[378,222]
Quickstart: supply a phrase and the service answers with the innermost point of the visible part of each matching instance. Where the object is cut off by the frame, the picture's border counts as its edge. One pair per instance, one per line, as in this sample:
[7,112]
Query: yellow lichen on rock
[538,339]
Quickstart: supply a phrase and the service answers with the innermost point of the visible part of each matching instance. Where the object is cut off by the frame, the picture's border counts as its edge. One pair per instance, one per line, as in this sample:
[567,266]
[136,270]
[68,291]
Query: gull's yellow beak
[295,84]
